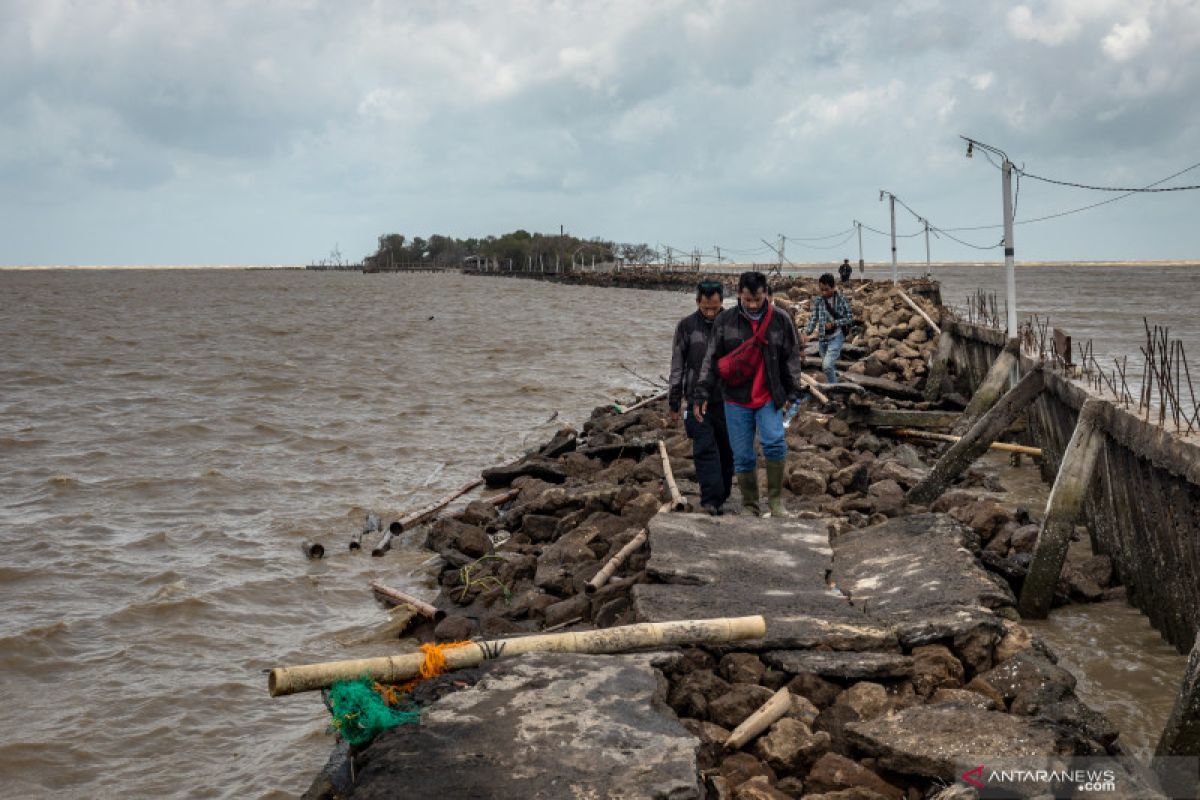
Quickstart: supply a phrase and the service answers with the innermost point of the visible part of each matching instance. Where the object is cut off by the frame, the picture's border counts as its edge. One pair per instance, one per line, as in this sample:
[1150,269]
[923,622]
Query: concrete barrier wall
[1144,508]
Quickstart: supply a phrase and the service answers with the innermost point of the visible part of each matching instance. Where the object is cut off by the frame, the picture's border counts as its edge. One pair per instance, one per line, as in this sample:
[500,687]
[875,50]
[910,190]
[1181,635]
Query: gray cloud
[293,125]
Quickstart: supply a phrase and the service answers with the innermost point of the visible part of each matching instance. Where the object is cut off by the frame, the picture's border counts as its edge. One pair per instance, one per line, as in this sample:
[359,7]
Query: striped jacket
[842,314]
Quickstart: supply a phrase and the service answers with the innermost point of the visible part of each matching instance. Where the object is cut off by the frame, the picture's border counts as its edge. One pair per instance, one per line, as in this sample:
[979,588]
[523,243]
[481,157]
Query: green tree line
[520,247]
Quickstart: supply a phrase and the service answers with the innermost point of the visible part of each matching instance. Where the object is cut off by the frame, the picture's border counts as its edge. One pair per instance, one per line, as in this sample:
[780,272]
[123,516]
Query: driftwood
[813,385]
[614,563]
[645,402]
[395,669]
[370,526]
[766,716]
[950,437]
[420,515]
[677,502]
[919,310]
[312,549]
[400,598]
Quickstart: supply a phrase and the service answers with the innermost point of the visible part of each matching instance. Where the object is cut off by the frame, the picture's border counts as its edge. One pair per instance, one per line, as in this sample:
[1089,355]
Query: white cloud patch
[983,81]
[1124,42]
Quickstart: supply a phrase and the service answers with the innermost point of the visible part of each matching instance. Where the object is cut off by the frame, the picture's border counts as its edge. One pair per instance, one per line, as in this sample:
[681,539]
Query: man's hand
[829,326]
[700,409]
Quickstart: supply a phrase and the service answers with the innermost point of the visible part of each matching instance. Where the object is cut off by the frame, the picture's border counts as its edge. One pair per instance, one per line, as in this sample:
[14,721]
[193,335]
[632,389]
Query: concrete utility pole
[861,269]
[717,247]
[1010,276]
[892,209]
[781,241]
[927,270]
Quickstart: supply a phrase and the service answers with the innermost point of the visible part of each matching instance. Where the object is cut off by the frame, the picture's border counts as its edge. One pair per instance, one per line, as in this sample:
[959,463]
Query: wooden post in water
[1063,508]
[977,440]
[941,364]
[991,388]
[1181,736]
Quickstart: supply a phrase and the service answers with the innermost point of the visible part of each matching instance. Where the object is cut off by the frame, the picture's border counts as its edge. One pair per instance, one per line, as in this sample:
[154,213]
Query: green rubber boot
[748,483]
[775,489]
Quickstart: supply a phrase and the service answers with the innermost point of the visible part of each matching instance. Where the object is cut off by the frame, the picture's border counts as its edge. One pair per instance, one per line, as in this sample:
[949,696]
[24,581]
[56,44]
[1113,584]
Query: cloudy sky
[267,132]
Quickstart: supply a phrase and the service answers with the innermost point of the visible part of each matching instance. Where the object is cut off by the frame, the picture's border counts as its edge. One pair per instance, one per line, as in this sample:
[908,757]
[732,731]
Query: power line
[885,233]
[818,238]
[1126,190]
[834,246]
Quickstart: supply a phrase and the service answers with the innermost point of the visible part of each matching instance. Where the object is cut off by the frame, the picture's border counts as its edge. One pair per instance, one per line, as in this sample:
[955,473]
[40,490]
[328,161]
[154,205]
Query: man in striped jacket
[831,318]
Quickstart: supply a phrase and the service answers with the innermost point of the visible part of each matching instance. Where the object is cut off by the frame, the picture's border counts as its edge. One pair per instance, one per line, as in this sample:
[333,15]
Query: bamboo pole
[420,515]
[767,714]
[949,437]
[677,503]
[904,296]
[614,563]
[395,669]
[812,385]
[646,402]
[398,597]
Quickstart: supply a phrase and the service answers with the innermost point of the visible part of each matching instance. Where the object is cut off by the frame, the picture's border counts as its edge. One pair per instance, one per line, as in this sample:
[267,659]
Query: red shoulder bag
[739,365]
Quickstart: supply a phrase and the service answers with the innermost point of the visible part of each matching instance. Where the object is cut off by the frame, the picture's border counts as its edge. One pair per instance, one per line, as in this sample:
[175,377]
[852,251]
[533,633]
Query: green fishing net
[360,714]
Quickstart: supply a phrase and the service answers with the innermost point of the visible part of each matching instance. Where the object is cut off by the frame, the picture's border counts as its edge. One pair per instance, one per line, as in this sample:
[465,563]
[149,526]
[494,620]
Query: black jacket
[687,355]
[782,358]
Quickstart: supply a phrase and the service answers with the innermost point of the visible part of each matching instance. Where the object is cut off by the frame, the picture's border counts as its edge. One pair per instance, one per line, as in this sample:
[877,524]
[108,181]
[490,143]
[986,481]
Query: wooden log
[1006,447]
[813,387]
[395,669]
[1063,508]
[767,715]
[646,402]
[904,296]
[989,391]
[401,598]
[312,550]
[940,366]
[614,563]
[1181,734]
[883,386]
[420,515]
[906,418]
[976,441]
[677,502]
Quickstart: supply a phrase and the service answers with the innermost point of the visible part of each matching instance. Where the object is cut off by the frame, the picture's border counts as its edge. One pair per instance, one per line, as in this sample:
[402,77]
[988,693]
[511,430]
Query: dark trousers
[712,455]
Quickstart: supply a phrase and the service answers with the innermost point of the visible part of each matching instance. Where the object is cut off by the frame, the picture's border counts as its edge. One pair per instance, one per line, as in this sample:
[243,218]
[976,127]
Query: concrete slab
[730,566]
[543,725]
[845,666]
[919,574]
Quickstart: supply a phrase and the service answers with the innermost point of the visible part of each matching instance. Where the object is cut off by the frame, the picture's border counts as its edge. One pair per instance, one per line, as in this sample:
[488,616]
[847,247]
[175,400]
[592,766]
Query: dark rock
[480,513]
[975,647]
[1024,538]
[540,527]
[606,615]
[854,478]
[1027,671]
[819,691]
[454,629]
[869,441]
[641,508]
[834,772]
[534,467]
[868,700]
[791,786]
[988,518]
[833,720]
[499,626]
[742,668]
[935,667]
[578,465]
[691,695]
[789,744]
[712,740]
[563,442]
[575,607]
[806,482]
[964,696]
[742,700]
[758,788]
[741,767]
[450,534]
[1098,569]
[887,497]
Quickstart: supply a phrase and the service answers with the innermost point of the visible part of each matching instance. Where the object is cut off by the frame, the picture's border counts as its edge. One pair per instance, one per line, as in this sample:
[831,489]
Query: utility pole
[861,269]
[927,270]
[670,259]
[780,267]
[1010,275]
[892,209]
[717,247]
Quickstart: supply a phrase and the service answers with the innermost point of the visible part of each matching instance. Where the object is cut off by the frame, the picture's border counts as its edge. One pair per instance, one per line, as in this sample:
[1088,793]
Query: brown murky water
[168,438]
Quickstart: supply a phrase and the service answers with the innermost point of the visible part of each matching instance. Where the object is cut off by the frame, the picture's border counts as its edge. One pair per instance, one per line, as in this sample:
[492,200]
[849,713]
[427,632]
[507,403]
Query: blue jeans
[711,455]
[831,351]
[741,423]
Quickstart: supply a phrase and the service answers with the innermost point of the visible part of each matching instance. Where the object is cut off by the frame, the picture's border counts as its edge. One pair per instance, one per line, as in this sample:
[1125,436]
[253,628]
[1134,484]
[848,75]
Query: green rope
[360,714]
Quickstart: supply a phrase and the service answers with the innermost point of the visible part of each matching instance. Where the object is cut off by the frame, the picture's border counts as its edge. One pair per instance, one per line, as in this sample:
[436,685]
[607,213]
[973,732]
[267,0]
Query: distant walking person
[831,317]
[845,270]
[710,440]
[754,363]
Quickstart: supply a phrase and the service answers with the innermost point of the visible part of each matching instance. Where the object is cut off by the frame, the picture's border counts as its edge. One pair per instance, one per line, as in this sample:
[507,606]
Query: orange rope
[433,665]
